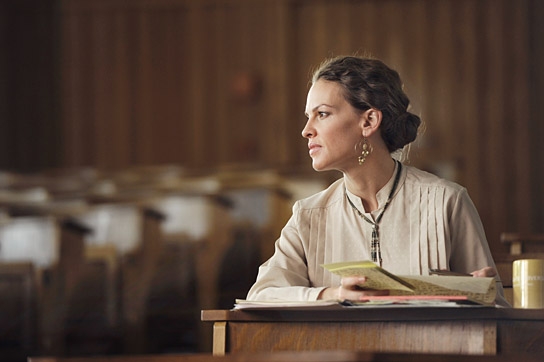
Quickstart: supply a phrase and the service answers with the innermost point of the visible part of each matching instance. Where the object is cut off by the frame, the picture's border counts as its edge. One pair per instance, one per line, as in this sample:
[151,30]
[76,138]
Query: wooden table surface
[338,314]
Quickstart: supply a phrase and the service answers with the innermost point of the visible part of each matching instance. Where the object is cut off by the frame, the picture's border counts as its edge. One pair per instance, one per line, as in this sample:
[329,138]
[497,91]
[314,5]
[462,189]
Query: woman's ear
[371,121]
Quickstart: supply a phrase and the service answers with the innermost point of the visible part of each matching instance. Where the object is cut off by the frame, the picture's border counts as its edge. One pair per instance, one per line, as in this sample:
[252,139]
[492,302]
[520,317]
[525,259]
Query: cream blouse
[430,223]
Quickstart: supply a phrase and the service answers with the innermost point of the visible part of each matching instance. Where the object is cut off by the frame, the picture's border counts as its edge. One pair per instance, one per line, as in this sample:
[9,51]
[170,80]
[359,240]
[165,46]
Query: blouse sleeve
[285,275]
[469,247]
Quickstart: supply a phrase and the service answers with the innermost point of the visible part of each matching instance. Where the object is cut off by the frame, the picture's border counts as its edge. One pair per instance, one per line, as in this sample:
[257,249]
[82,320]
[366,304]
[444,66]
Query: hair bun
[406,125]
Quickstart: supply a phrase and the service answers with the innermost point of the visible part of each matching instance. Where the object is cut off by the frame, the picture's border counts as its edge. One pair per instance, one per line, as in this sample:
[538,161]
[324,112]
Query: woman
[404,219]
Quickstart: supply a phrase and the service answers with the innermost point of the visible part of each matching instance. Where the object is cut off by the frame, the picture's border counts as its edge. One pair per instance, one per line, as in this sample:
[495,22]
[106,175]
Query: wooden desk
[307,356]
[468,331]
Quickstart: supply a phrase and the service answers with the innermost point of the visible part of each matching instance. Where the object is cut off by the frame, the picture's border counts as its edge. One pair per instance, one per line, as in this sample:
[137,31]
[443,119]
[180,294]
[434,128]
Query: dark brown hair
[369,83]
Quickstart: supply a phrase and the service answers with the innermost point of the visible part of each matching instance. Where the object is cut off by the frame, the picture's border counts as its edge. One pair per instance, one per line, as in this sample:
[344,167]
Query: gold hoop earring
[366,150]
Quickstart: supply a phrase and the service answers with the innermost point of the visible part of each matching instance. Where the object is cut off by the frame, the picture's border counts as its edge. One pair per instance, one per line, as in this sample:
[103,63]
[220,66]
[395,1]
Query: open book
[479,290]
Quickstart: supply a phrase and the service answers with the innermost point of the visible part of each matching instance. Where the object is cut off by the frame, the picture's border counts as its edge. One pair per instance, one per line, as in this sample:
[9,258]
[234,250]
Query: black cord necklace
[375,251]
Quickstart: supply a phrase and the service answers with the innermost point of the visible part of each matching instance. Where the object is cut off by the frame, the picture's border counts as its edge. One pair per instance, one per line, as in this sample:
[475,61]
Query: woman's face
[333,128]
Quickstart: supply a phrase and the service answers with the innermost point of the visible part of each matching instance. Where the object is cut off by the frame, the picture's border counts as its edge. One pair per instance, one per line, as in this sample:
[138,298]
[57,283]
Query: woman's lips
[313,149]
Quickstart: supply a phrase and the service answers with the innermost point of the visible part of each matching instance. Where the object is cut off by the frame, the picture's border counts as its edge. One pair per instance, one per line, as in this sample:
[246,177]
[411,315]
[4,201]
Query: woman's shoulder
[419,177]
[323,199]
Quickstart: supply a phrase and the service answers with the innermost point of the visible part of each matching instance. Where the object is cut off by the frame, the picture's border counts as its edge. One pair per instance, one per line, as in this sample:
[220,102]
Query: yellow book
[480,290]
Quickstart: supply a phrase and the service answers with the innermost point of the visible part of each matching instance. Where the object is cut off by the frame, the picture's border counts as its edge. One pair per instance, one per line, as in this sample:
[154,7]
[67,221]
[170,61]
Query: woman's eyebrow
[319,105]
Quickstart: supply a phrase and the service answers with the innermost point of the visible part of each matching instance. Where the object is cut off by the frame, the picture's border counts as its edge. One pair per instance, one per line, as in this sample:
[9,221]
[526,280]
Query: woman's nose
[307,131]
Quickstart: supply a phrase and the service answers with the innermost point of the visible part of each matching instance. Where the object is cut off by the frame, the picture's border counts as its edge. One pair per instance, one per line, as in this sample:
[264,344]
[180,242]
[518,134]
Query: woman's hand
[484,272]
[351,288]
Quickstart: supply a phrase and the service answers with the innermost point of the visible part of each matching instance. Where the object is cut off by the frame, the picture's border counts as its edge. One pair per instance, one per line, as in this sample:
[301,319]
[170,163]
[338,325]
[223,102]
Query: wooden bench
[54,249]
[18,311]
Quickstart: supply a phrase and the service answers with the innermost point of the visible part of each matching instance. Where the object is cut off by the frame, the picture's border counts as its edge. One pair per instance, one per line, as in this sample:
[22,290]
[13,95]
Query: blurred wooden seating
[143,250]
[31,238]
[115,224]
[524,243]
[138,270]
[259,201]
[18,311]
[520,246]
[123,252]
[55,251]
[263,198]
[162,230]
[197,232]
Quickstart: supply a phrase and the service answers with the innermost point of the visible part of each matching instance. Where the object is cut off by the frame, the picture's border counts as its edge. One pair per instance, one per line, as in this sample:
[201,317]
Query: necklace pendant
[374,245]
[375,253]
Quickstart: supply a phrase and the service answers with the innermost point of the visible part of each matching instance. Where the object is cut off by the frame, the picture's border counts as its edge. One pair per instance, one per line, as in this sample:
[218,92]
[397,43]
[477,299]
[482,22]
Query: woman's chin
[318,167]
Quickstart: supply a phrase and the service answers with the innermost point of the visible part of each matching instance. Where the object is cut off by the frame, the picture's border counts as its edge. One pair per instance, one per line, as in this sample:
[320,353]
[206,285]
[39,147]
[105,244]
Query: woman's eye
[322,114]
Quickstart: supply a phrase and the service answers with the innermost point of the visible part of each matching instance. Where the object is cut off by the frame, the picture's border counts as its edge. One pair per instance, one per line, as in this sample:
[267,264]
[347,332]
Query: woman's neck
[366,180]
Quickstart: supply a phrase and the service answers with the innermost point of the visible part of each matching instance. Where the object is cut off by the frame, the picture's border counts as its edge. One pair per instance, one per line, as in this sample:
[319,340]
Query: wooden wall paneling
[29,87]
[366,28]
[335,14]
[281,120]
[273,112]
[168,37]
[514,120]
[4,102]
[102,97]
[222,53]
[129,91]
[317,15]
[433,80]
[70,82]
[202,69]
[219,52]
[468,132]
[42,138]
[312,45]
[145,92]
[445,91]
[422,39]
[251,148]
[302,62]
[122,112]
[194,90]
[126,46]
[492,95]
[143,111]
[480,133]
[241,63]
[413,73]
[381,30]
[518,115]
[77,141]
[536,85]
[245,87]
[391,32]
[228,28]
[168,130]
[214,103]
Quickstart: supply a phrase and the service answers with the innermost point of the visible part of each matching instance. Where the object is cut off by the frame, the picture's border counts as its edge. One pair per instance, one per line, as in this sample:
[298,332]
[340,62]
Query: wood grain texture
[154,82]
[465,337]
